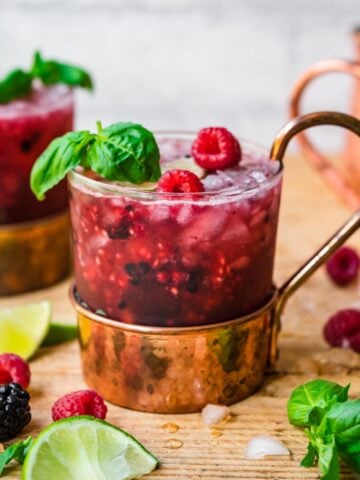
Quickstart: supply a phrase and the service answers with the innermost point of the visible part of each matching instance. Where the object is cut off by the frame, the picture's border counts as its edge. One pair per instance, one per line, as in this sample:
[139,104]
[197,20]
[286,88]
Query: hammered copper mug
[181,369]
[346,181]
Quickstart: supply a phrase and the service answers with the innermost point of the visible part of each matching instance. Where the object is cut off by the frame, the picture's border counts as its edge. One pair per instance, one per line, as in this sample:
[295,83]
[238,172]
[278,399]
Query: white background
[189,63]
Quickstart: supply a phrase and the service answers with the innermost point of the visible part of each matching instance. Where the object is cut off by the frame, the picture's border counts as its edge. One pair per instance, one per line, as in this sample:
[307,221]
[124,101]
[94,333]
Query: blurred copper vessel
[34,254]
[347,180]
[178,370]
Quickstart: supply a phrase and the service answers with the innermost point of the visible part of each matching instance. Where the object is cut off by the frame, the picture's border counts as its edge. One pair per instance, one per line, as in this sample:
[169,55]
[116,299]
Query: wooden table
[309,214]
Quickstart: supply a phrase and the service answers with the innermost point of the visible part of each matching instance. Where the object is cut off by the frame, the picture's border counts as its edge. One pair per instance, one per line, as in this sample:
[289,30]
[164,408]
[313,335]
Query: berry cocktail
[27,126]
[195,248]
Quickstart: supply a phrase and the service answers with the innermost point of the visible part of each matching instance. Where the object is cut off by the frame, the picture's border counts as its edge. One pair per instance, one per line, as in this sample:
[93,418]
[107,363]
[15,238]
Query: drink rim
[130,190]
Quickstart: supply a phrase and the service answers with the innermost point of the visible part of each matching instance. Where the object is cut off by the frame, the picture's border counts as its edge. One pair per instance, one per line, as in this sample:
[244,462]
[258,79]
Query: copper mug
[181,369]
[347,181]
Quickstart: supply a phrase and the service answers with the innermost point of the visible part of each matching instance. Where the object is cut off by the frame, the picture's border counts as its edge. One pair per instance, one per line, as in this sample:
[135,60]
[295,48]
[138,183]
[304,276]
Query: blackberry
[14,410]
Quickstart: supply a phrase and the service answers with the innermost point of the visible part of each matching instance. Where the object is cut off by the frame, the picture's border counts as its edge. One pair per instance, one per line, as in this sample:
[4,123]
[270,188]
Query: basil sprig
[332,424]
[121,152]
[18,82]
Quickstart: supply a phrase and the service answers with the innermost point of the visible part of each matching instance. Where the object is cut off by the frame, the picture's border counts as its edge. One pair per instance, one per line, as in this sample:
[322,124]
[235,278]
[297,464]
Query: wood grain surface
[309,214]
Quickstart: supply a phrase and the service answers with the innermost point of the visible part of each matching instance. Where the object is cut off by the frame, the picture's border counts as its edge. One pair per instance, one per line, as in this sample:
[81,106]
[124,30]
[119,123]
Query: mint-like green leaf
[51,72]
[62,155]
[59,333]
[310,402]
[343,420]
[17,452]
[310,458]
[16,84]
[328,460]
[125,152]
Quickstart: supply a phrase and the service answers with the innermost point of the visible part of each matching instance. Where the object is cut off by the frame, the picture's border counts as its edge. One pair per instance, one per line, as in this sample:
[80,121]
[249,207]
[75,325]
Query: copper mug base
[34,254]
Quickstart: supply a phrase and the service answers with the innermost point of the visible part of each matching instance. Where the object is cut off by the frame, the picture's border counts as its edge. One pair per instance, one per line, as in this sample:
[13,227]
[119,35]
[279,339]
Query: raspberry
[343,329]
[180,181]
[343,266]
[82,402]
[215,148]
[14,410]
[14,369]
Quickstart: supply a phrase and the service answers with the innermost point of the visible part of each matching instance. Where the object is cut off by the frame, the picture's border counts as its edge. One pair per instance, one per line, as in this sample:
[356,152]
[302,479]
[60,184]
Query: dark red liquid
[176,262]
[27,126]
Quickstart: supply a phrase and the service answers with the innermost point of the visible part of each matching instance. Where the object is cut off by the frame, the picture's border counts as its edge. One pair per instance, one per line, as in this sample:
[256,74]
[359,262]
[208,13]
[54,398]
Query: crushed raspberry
[215,148]
[180,181]
[343,266]
[82,402]
[129,225]
[13,369]
[343,329]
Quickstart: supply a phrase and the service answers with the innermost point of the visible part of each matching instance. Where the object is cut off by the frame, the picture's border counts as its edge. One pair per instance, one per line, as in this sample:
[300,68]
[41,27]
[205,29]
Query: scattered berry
[180,181]
[215,148]
[14,369]
[343,329]
[82,402]
[14,410]
[343,266]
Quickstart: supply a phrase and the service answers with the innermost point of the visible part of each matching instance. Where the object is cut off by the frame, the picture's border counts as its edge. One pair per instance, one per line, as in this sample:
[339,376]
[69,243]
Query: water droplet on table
[173,443]
[170,427]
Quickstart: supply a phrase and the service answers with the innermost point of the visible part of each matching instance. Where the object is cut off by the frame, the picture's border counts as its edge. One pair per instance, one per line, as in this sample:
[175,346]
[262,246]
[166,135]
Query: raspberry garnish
[82,402]
[343,266]
[215,148]
[343,329]
[14,369]
[180,181]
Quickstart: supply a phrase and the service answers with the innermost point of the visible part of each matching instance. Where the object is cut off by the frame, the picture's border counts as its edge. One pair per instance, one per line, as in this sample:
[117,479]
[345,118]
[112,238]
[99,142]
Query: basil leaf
[310,458]
[17,452]
[329,460]
[125,152]
[62,155]
[16,84]
[343,420]
[310,402]
[51,72]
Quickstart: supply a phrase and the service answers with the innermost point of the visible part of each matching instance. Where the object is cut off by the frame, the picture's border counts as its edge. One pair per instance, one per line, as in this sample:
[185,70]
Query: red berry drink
[27,126]
[169,258]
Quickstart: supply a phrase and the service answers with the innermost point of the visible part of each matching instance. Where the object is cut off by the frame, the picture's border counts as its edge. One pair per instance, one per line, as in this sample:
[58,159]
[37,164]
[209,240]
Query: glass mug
[156,345]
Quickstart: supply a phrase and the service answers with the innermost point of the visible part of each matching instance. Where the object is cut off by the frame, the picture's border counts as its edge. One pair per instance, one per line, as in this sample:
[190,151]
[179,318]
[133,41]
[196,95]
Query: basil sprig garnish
[125,152]
[332,424]
[18,82]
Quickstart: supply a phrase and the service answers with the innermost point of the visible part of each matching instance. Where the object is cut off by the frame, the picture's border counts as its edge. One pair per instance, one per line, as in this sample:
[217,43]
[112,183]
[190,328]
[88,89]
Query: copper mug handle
[290,130]
[331,175]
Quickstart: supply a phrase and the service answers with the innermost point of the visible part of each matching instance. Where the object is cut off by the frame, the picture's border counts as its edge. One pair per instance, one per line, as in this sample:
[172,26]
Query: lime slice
[84,447]
[59,333]
[23,328]
[184,163]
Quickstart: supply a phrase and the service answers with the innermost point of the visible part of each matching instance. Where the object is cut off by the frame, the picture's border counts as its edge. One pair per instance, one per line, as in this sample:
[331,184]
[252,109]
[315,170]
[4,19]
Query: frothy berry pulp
[27,126]
[202,258]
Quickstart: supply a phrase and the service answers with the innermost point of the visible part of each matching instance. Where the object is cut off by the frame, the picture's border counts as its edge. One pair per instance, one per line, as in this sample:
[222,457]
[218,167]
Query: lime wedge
[84,447]
[23,328]
[59,333]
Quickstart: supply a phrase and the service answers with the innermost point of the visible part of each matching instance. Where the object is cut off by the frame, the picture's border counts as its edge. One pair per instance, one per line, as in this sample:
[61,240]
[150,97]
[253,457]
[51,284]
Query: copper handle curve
[277,153]
[331,175]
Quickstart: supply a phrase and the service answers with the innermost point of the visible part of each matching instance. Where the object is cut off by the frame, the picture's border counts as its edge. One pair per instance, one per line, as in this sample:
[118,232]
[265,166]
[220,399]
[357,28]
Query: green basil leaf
[62,155]
[310,458]
[310,402]
[329,460]
[16,84]
[17,452]
[343,420]
[51,72]
[125,152]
